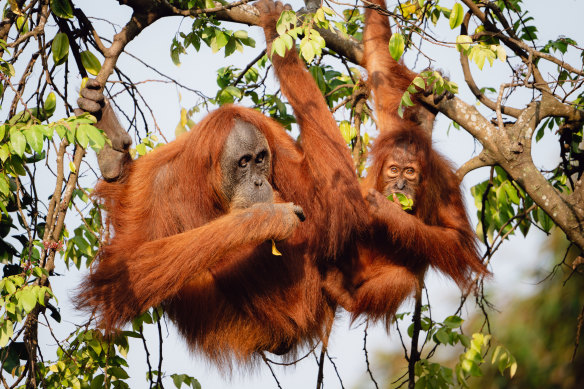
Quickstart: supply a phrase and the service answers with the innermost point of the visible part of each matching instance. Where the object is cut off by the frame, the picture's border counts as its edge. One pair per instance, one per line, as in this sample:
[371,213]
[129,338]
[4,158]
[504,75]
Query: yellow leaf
[90,62]
[513,369]
[274,249]
[83,83]
[463,42]
[407,9]
[72,167]
[183,117]
[501,54]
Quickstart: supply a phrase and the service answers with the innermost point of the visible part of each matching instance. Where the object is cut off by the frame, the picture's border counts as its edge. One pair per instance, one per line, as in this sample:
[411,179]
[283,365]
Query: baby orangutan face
[401,174]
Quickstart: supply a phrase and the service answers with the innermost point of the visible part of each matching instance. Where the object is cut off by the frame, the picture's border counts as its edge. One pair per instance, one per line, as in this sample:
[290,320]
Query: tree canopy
[524,90]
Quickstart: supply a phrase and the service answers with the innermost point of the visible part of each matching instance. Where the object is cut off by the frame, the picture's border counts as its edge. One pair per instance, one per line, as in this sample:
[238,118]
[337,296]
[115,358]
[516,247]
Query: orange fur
[394,256]
[388,78]
[174,242]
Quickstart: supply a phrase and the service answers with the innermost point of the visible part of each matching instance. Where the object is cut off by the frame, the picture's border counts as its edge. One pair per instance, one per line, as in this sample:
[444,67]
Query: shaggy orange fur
[400,246]
[174,242]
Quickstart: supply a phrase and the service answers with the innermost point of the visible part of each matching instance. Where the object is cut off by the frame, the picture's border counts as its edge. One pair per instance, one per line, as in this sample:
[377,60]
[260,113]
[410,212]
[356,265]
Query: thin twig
[367,354]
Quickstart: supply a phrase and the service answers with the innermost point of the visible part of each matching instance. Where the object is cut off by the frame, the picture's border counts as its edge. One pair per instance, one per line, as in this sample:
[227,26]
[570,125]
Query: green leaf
[442,336]
[288,41]
[307,50]
[34,137]
[4,152]
[41,293]
[248,42]
[28,299]
[178,379]
[406,99]
[479,56]
[21,24]
[37,271]
[61,130]
[316,72]
[406,203]
[495,357]
[463,42]
[118,372]
[453,322]
[17,141]
[466,366]
[4,184]
[544,220]
[218,41]
[316,47]
[96,136]
[75,383]
[20,117]
[419,83]
[6,333]
[286,21]
[9,286]
[240,34]
[62,8]
[46,130]
[456,16]
[234,91]
[511,192]
[90,62]
[279,46]
[50,104]
[464,340]
[97,382]
[141,148]
[230,46]
[396,45]
[60,48]
[174,56]
[82,135]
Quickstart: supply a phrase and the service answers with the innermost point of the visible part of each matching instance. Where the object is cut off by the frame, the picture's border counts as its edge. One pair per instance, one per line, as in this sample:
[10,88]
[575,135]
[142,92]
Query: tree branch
[470,80]
[509,147]
[468,117]
[481,160]
[137,23]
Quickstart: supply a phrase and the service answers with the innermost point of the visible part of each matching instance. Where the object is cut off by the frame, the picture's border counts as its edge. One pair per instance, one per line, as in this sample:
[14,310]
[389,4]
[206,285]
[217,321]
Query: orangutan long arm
[449,247]
[388,79]
[127,283]
[321,138]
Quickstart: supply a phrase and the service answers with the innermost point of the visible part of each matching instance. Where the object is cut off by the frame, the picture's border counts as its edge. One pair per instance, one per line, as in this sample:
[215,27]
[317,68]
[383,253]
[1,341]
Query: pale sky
[510,267]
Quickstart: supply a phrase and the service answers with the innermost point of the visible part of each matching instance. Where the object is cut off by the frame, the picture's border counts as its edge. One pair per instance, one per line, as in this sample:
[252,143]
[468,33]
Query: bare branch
[199,11]
[468,117]
[39,29]
[481,160]
[470,80]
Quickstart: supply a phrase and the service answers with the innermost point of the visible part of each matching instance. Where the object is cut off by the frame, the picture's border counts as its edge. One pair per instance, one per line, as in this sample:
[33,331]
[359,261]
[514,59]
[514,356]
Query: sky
[511,265]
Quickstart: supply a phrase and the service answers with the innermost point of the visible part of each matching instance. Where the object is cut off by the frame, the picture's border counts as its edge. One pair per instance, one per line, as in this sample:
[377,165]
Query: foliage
[312,43]
[47,215]
[447,336]
[543,329]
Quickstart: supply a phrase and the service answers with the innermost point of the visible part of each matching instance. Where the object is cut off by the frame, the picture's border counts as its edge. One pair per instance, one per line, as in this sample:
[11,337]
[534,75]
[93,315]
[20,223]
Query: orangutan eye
[244,161]
[260,157]
[410,171]
[393,170]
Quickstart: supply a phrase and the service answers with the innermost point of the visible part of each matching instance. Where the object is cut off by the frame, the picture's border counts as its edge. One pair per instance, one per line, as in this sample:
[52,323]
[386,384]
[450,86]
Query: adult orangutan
[192,223]
[401,245]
